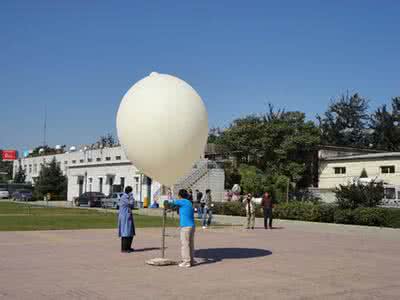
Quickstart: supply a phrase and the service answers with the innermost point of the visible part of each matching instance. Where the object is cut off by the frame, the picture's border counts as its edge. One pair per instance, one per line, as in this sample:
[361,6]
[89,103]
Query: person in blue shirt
[126,226]
[186,222]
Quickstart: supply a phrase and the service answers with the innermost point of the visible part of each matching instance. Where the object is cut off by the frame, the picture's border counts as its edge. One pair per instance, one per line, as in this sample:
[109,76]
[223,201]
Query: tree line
[274,150]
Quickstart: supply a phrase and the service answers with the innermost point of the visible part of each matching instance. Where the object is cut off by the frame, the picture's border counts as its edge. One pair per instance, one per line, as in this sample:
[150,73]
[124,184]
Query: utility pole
[45,126]
[287,191]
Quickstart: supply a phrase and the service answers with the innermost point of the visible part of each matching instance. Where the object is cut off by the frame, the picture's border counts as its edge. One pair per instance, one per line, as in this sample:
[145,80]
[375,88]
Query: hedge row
[328,213]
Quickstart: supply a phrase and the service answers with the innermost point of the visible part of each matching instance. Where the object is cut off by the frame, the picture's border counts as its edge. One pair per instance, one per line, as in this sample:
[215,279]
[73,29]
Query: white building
[378,166]
[342,170]
[108,170]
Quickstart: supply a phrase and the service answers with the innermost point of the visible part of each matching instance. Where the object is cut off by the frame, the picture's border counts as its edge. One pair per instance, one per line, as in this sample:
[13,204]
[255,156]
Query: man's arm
[131,201]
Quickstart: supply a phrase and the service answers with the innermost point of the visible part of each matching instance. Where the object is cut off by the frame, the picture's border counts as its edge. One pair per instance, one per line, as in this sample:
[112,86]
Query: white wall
[213,180]
[328,178]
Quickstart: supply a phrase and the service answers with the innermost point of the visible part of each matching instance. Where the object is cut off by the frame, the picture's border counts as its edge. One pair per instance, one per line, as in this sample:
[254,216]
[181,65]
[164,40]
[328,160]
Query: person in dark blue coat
[126,226]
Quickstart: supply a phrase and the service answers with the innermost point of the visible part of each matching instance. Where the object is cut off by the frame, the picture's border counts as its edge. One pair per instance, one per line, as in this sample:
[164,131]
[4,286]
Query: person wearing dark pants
[267,205]
[126,225]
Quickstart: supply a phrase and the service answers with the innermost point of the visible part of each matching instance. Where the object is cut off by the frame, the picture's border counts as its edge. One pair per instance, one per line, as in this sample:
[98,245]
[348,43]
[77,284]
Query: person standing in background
[250,211]
[199,196]
[190,195]
[126,225]
[206,201]
[266,204]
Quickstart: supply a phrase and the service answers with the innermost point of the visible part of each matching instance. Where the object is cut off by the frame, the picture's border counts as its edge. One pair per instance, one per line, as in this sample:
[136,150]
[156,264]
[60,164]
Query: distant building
[107,170]
[344,167]
[378,166]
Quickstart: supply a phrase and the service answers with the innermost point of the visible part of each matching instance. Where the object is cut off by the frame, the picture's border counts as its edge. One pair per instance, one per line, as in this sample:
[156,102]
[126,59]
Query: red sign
[9,154]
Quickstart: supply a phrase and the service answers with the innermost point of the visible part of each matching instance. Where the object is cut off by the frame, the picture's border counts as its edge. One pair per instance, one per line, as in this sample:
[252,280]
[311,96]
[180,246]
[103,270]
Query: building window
[122,183]
[66,162]
[108,158]
[136,185]
[74,161]
[81,160]
[98,159]
[387,169]
[101,184]
[30,169]
[25,168]
[118,157]
[89,160]
[340,170]
[390,193]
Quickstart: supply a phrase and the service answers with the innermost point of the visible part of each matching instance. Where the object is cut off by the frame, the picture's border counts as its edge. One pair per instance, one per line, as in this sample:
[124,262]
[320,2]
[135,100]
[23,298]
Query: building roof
[349,148]
[366,156]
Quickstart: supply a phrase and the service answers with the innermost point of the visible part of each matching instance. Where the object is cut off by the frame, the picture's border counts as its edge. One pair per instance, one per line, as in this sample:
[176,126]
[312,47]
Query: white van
[4,194]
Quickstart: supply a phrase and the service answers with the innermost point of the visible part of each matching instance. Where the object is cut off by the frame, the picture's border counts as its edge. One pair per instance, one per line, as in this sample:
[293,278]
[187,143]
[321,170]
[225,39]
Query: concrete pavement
[295,261]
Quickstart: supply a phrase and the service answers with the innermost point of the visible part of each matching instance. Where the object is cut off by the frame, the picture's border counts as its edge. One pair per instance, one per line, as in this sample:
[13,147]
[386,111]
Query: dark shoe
[252,227]
[127,251]
[131,249]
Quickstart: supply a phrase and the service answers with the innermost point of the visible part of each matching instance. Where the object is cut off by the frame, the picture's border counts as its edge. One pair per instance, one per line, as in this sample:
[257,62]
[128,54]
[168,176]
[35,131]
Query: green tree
[364,173]
[345,123]
[50,180]
[232,175]
[242,138]
[214,135]
[253,180]
[277,143]
[386,127]
[20,176]
[107,140]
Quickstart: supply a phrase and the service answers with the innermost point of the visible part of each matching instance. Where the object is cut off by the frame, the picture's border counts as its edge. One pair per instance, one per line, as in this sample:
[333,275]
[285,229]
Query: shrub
[369,216]
[358,194]
[229,208]
[392,217]
[323,212]
[343,216]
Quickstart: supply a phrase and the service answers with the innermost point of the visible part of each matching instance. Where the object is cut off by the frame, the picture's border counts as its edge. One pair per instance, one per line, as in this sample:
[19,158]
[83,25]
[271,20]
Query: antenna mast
[45,126]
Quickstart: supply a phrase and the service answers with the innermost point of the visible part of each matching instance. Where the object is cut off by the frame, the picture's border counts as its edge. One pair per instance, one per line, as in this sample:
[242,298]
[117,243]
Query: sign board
[9,154]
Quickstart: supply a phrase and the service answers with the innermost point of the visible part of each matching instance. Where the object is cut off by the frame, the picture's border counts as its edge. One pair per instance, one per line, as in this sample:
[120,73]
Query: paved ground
[296,261]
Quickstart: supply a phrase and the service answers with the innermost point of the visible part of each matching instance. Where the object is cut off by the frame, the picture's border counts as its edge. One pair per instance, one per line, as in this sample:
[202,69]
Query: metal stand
[162,261]
[163,233]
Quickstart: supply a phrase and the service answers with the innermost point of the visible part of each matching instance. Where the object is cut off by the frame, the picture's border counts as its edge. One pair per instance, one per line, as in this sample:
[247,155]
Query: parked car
[4,194]
[111,202]
[92,199]
[22,195]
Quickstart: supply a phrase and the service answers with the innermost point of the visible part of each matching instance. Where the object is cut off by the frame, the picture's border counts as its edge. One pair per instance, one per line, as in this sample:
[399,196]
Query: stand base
[160,262]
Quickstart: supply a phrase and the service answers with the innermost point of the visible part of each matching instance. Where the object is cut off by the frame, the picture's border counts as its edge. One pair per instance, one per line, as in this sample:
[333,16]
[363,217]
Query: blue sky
[78,58]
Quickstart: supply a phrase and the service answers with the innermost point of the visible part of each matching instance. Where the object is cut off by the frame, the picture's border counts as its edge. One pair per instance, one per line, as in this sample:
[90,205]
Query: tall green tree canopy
[276,142]
[345,123]
[386,127]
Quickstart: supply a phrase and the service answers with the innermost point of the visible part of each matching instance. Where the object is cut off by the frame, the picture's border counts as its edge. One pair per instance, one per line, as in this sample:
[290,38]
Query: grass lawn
[19,216]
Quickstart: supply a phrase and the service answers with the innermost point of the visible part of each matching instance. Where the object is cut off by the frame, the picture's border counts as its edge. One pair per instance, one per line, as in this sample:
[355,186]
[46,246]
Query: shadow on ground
[213,255]
[277,227]
[147,249]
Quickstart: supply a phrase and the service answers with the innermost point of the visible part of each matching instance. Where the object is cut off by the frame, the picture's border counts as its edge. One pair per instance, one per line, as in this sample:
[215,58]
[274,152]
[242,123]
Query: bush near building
[357,194]
[327,213]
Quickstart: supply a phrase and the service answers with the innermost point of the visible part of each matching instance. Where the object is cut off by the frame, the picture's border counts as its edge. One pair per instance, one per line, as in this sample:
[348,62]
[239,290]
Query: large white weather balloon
[162,125]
